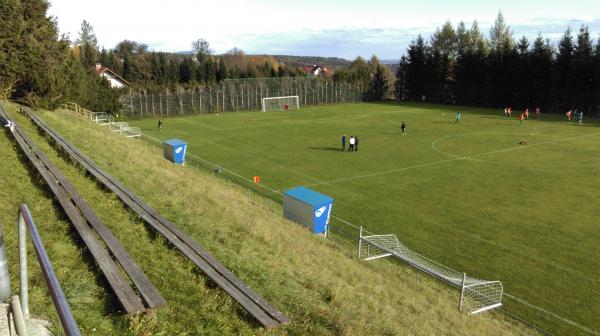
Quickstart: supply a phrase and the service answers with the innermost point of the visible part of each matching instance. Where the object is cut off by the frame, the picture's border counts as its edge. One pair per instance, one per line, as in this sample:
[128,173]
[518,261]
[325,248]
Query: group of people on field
[569,114]
[352,143]
[523,116]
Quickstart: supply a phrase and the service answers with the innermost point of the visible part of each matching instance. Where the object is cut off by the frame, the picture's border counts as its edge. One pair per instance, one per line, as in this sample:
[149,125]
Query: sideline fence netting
[238,95]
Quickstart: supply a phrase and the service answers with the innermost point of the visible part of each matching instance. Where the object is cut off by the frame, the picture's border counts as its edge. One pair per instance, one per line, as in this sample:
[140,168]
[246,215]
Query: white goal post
[278,103]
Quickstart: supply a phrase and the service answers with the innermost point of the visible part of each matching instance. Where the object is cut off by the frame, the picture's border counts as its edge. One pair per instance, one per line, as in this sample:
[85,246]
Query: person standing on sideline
[343,142]
[352,141]
[458,115]
[538,112]
[356,142]
[159,125]
[403,128]
[580,119]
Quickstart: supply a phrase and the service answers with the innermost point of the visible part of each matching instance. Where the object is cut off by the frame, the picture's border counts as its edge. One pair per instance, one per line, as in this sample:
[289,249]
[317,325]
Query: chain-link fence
[238,95]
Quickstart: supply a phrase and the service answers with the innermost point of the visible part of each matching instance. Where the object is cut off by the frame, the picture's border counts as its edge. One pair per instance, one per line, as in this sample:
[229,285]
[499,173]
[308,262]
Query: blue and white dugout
[309,208]
[174,150]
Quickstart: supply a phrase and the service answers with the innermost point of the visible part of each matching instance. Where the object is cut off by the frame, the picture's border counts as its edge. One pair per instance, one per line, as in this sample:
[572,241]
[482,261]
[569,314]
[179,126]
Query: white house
[115,80]
[316,70]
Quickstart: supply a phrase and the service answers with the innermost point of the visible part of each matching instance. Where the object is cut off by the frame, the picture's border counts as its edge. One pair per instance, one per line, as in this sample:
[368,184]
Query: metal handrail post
[58,297]
[4,274]
[23,277]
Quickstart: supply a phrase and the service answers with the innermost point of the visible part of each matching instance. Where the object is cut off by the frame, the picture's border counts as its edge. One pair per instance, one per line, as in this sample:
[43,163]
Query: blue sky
[321,28]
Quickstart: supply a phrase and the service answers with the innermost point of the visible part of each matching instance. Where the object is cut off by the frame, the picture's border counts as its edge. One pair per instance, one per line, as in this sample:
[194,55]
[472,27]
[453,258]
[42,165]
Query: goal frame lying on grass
[476,296]
[277,103]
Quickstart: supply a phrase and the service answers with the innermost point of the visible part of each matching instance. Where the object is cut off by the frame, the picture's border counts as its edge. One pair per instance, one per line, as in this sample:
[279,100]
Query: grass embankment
[467,195]
[320,286]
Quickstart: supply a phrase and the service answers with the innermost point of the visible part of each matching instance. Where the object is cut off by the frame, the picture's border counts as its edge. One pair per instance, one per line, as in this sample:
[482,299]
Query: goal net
[278,103]
[476,295]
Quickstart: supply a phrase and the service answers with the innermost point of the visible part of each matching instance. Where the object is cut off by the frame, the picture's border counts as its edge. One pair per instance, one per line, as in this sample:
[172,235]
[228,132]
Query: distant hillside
[301,61]
[295,61]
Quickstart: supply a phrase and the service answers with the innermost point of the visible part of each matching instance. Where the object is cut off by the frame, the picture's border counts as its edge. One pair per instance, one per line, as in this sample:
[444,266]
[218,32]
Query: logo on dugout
[320,211]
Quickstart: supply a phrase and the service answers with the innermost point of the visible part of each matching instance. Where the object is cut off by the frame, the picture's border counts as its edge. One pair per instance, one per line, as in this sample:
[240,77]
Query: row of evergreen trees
[462,66]
[39,68]
[152,69]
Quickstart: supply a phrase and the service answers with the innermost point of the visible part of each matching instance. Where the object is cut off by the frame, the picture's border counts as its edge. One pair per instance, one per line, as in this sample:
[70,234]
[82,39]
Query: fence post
[462,292]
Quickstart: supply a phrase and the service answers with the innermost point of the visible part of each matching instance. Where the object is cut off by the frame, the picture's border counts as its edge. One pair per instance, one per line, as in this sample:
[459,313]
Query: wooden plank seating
[80,214]
[254,303]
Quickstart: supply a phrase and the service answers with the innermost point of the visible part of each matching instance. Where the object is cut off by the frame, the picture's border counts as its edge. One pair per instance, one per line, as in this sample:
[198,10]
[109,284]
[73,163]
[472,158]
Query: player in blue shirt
[458,115]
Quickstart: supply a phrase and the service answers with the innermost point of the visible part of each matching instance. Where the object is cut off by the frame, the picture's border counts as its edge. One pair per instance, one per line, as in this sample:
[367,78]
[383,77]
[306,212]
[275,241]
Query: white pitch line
[224,169]
[462,158]
[199,124]
[575,324]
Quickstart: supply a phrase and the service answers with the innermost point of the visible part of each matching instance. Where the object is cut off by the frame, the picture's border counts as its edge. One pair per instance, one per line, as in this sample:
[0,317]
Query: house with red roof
[316,70]
[114,79]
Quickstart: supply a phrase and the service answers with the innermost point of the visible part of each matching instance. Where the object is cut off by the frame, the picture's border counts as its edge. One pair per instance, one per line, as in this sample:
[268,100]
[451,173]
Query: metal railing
[61,305]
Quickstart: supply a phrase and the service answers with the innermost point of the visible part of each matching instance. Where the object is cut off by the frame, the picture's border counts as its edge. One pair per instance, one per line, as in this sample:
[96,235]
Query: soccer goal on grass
[278,103]
[476,296]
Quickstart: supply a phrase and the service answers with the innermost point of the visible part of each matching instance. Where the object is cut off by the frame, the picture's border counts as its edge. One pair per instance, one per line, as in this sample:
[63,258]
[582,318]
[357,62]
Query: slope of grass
[467,195]
[318,284]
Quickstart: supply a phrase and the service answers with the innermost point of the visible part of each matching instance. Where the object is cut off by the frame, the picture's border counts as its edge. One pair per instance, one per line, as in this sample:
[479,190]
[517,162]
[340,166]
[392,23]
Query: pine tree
[222,71]
[400,85]
[416,72]
[541,68]
[564,74]
[88,44]
[583,70]
[501,40]
[378,87]
[187,71]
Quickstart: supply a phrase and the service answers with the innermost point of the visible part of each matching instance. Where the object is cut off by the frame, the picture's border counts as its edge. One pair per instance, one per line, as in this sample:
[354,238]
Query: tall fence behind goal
[238,95]
[476,295]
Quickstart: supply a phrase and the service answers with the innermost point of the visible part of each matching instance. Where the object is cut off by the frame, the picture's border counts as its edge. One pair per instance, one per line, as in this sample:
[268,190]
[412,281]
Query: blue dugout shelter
[308,207]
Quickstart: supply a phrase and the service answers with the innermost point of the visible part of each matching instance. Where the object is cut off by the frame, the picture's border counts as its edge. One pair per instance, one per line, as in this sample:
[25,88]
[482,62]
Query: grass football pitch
[485,196]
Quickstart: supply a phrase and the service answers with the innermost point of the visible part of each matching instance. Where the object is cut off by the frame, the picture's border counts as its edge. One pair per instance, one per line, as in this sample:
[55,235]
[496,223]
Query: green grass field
[467,195]
[318,283]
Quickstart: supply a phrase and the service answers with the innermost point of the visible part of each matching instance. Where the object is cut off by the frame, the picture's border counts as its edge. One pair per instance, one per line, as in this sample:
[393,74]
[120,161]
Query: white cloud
[344,28]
